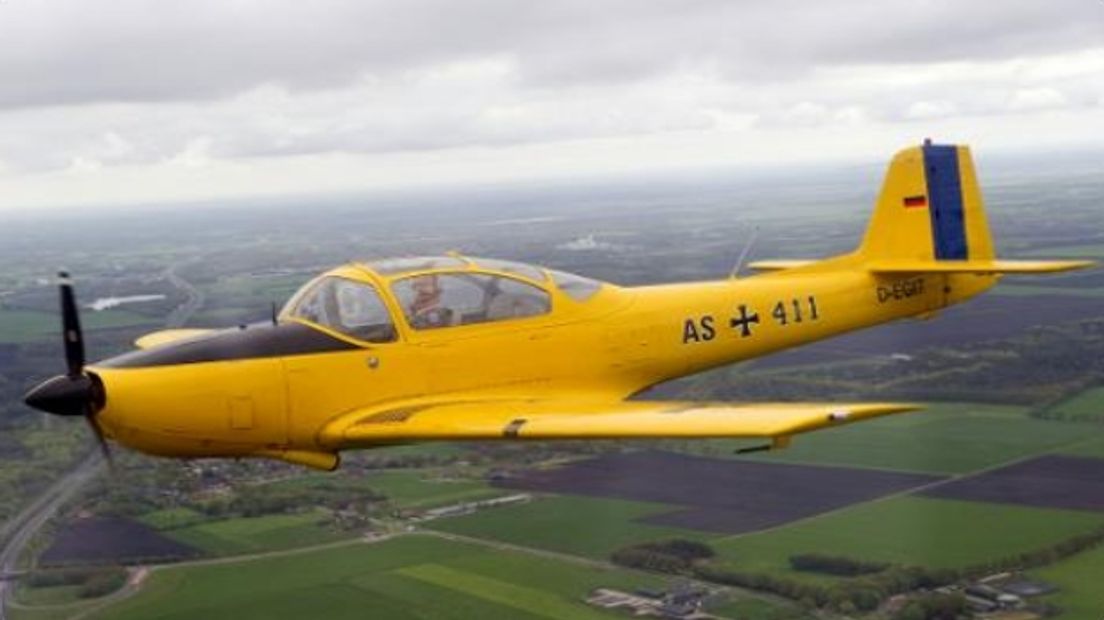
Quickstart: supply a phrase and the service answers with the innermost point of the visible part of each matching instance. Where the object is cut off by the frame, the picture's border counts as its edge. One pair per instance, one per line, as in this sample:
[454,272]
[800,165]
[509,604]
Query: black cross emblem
[745,321]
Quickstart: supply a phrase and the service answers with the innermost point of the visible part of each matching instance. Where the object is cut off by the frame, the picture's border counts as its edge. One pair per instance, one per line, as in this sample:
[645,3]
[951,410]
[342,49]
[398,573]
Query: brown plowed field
[718,495]
[111,540]
[1069,482]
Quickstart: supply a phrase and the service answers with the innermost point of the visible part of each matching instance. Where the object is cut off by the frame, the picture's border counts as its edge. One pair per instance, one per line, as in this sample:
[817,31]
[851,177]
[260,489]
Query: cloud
[81,51]
[451,106]
[1029,99]
[922,110]
[97,85]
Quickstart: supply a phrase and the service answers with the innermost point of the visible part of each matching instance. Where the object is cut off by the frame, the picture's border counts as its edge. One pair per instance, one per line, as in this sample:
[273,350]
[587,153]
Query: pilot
[426,309]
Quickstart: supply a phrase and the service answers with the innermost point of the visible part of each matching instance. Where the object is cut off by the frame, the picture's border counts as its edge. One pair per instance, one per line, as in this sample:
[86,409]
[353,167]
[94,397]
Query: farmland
[1088,405]
[29,326]
[944,438]
[910,531]
[111,540]
[420,489]
[1055,481]
[408,577]
[711,494]
[987,318]
[907,530]
[254,534]
[1078,579]
[1091,447]
[578,525]
[410,489]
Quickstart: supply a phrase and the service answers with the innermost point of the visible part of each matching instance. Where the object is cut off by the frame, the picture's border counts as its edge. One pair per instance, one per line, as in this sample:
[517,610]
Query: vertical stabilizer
[930,209]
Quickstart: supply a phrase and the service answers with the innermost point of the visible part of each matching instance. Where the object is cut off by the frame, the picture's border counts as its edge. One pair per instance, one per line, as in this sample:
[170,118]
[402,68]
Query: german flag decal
[916,201]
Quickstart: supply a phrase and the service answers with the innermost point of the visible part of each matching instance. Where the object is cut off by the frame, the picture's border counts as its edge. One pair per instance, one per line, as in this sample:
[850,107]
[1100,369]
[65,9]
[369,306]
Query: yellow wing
[779,264]
[548,419]
[166,336]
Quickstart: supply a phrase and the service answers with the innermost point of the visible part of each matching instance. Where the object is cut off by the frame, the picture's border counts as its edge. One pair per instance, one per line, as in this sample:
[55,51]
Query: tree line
[871,584]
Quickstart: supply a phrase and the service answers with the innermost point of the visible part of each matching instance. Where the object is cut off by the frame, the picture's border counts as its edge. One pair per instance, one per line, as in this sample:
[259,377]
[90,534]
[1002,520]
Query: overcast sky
[122,101]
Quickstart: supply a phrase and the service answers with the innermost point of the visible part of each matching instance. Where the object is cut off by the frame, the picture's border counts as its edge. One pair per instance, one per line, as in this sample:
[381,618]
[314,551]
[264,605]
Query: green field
[412,489]
[585,526]
[909,531]
[26,326]
[222,317]
[1087,405]
[172,518]
[245,292]
[275,287]
[755,608]
[255,534]
[1093,446]
[49,613]
[1079,579]
[408,577]
[942,439]
[423,489]
[55,595]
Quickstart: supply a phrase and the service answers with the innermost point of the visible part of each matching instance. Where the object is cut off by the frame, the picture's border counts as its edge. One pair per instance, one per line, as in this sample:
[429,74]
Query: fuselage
[269,388]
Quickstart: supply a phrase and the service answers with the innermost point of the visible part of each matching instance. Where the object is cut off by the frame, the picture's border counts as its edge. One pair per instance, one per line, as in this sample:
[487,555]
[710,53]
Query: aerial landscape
[990,491]
[499,310]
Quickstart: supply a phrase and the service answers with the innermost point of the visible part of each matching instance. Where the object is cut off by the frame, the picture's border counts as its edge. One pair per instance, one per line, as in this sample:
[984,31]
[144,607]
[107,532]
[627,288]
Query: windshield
[351,308]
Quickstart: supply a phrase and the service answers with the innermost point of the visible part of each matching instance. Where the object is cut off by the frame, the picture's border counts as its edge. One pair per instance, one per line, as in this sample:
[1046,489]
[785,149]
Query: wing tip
[167,336]
[861,411]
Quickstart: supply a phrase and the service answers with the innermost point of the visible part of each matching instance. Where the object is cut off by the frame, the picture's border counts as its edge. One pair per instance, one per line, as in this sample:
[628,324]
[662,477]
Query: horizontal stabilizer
[166,336]
[977,266]
[778,265]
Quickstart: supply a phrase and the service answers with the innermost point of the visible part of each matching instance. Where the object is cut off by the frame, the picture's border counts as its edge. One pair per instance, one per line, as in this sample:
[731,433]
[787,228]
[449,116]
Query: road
[19,530]
[192,302]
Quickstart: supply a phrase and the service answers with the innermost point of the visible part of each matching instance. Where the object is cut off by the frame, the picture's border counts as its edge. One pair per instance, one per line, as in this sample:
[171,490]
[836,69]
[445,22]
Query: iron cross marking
[745,321]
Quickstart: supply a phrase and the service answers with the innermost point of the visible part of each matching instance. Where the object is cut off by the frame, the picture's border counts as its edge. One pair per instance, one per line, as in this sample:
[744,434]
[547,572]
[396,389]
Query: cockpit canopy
[347,306]
[433,292]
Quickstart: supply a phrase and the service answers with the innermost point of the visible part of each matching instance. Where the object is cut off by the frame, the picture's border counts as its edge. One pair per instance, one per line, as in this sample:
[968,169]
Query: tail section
[930,209]
[930,218]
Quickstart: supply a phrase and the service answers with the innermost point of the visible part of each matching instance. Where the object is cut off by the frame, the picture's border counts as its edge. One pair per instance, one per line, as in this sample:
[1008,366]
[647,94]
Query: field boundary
[920,489]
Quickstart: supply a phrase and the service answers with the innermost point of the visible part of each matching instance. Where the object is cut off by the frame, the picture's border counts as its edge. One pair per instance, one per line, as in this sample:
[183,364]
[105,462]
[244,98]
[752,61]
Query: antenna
[744,253]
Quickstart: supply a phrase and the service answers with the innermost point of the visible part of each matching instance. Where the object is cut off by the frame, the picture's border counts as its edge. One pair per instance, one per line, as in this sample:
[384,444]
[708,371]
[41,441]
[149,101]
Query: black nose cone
[63,395]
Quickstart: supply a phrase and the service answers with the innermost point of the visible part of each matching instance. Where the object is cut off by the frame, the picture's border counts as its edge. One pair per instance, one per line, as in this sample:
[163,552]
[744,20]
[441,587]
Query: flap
[548,419]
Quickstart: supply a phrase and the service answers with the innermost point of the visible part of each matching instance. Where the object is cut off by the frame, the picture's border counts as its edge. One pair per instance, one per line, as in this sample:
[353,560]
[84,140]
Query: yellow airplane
[457,348]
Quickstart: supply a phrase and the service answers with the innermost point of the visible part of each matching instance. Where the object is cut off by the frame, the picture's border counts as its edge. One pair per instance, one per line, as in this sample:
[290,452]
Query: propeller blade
[77,392]
[70,323]
[105,449]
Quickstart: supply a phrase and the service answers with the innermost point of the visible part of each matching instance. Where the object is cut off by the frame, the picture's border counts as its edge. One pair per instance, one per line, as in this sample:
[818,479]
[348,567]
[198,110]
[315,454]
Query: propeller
[76,393]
